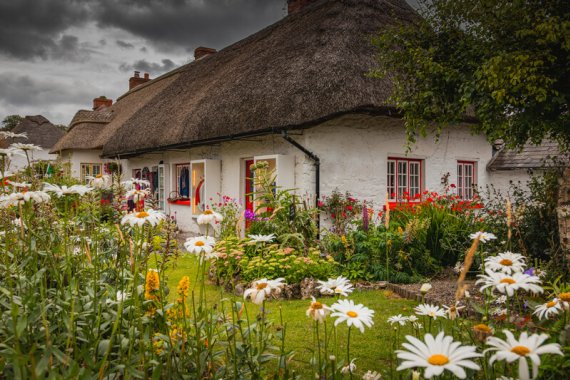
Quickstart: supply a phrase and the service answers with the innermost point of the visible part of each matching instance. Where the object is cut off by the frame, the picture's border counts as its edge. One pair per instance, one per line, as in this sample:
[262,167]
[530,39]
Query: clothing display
[184,183]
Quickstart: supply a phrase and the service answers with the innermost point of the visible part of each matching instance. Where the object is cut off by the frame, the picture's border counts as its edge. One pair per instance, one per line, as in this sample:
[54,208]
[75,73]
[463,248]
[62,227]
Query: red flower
[429,200]
[452,186]
[320,204]
[349,208]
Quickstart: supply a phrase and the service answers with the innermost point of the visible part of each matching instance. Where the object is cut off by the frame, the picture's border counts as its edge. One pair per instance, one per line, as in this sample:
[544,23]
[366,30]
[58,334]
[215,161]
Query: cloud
[124,45]
[149,67]
[31,29]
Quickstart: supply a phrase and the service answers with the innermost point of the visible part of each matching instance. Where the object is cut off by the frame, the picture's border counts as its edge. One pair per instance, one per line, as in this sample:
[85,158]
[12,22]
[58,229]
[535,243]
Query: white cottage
[296,95]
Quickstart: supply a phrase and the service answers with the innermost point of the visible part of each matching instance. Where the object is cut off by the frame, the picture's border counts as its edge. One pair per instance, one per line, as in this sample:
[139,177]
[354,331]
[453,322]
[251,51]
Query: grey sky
[57,55]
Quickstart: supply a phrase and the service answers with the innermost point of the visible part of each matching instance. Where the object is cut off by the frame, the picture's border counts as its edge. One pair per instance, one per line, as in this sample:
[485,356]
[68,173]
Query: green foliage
[342,209]
[503,62]
[11,121]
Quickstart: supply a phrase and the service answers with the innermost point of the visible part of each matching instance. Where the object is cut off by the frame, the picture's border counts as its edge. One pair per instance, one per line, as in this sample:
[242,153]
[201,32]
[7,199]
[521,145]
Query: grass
[372,349]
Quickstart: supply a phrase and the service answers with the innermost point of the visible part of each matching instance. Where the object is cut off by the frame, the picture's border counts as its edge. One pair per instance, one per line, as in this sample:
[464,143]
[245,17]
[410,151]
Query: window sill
[180,202]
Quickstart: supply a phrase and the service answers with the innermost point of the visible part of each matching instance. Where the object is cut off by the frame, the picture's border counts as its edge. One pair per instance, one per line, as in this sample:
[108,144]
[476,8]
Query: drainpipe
[317,163]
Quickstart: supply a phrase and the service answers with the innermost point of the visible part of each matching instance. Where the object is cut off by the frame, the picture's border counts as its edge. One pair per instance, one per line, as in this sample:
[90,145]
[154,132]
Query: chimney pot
[136,79]
[202,51]
[137,74]
[146,76]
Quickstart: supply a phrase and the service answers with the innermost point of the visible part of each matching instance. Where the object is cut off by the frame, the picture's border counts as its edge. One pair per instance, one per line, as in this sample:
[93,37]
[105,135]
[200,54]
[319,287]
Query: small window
[183,180]
[90,170]
[466,179]
[404,179]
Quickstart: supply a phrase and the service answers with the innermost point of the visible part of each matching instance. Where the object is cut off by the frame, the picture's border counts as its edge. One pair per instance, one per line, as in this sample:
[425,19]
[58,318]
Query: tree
[11,121]
[501,64]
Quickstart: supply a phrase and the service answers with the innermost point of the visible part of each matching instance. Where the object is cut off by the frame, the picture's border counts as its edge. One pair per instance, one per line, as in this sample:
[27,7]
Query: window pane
[402,178]
[391,179]
[414,179]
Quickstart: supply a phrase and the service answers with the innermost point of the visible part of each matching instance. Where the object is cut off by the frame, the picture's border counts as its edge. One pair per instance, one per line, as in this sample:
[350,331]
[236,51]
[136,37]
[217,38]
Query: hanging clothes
[199,195]
[184,182]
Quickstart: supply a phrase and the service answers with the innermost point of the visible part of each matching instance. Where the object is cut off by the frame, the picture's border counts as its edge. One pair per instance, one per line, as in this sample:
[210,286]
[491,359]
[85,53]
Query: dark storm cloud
[124,45]
[186,24]
[32,29]
[23,90]
[149,67]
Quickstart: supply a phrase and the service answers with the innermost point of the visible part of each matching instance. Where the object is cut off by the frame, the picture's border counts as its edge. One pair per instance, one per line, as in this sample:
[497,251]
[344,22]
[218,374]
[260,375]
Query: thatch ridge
[40,131]
[306,67]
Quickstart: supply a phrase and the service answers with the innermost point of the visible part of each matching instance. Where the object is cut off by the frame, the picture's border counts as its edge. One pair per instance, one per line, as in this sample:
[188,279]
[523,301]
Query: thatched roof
[40,131]
[530,156]
[92,129]
[298,72]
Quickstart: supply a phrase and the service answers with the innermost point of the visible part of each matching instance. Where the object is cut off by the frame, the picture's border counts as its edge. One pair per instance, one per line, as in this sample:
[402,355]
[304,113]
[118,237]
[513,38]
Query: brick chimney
[202,51]
[136,79]
[294,6]
[101,102]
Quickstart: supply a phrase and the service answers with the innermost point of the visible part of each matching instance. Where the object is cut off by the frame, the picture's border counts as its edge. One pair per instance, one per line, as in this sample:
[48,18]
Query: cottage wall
[352,149]
[18,162]
[77,157]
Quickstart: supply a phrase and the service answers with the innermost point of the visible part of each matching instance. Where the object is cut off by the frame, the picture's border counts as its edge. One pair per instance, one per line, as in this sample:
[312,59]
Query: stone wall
[564,210]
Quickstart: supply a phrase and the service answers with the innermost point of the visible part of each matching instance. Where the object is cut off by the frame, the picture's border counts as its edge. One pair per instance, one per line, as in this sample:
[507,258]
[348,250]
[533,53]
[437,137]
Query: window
[466,179]
[404,178]
[90,170]
[183,180]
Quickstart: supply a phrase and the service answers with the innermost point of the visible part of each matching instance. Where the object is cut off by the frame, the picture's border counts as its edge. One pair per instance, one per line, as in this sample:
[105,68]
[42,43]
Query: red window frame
[393,186]
[463,191]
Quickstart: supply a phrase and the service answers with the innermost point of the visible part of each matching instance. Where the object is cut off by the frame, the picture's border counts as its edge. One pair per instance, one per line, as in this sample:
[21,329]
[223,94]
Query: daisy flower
[261,289]
[209,217]
[137,195]
[129,184]
[26,147]
[506,262]
[509,283]
[453,311]
[548,309]
[437,355]
[15,199]
[261,238]
[340,286]
[371,376]
[18,184]
[12,135]
[564,298]
[483,236]
[354,315]
[432,311]
[151,217]
[100,181]
[10,152]
[318,311]
[482,331]
[425,288]
[349,368]
[398,319]
[526,347]
[66,190]
[200,245]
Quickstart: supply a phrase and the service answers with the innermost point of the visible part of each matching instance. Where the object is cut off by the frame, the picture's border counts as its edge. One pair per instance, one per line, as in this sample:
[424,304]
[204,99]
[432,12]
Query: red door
[249,185]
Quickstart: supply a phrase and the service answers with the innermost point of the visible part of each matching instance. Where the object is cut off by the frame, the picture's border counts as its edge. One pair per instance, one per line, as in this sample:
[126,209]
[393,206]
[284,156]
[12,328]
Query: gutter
[317,163]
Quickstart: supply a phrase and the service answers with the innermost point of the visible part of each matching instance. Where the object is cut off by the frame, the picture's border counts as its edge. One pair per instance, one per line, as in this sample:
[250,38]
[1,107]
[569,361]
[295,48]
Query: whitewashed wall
[353,151]
[18,162]
[77,157]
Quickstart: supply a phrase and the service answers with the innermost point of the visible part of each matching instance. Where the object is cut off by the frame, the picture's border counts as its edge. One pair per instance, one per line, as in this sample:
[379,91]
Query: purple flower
[249,215]
[529,271]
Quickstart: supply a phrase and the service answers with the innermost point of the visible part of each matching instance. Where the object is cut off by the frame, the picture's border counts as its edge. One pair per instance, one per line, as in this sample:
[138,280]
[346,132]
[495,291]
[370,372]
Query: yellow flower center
[352,314]
[482,327]
[261,286]
[520,350]
[506,262]
[199,244]
[438,359]
[564,296]
[208,212]
[551,304]
[507,280]
[99,176]
[316,305]
[142,214]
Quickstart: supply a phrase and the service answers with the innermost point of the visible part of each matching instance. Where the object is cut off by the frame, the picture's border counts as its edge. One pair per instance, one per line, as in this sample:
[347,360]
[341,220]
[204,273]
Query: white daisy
[371,376]
[354,315]
[100,181]
[526,347]
[509,283]
[200,245]
[437,355]
[483,236]
[18,184]
[453,311]
[425,288]
[262,238]
[151,217]
[65,190]
[130,184]
[15,199]
[548,309]
[9,153]
[506,262]
[26,147]
[432,311]
[137,195]
[209,217]
[261,289]
[12,135]
[349,368]
[398,319]
[340,286]
[318,311]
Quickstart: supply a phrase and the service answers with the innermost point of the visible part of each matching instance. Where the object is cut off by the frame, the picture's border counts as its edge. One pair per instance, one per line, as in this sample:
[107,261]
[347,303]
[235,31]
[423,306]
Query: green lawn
[370,349]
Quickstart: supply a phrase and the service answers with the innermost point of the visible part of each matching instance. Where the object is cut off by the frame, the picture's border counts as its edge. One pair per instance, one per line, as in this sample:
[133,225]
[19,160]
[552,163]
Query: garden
[91,289]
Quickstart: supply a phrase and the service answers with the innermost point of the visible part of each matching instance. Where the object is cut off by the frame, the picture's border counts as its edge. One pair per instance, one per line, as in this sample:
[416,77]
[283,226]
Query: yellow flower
[182,289]
[152,284]
[400,230]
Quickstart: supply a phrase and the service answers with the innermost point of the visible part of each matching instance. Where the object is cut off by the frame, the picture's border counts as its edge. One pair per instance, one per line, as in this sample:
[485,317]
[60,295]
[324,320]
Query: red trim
[394,201]
[181,203]
[473,165]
